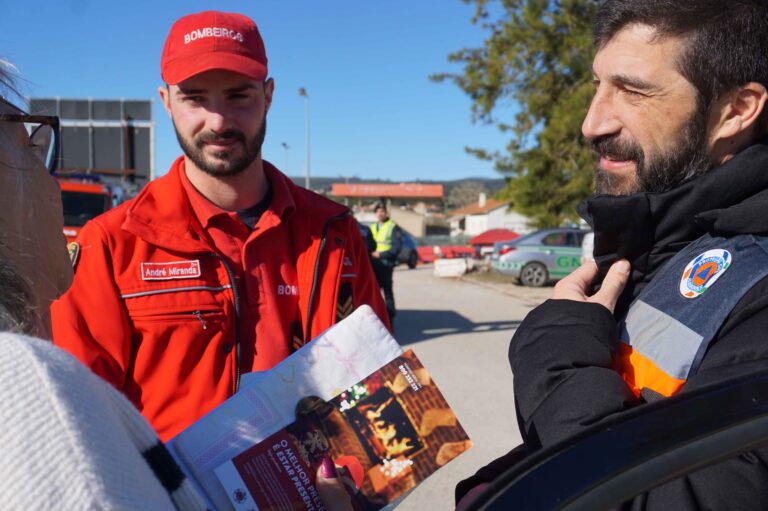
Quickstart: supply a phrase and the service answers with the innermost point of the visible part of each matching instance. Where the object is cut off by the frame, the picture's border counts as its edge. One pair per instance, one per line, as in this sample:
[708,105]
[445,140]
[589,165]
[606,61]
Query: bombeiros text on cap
[224,32]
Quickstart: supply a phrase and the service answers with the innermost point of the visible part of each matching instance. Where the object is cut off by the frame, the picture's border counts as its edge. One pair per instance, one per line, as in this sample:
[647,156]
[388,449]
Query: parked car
[367,235]
[408,253]
[540,257]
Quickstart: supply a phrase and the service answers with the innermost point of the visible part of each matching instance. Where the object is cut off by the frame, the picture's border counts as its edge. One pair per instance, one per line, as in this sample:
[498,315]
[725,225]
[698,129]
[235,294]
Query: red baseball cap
[213,40]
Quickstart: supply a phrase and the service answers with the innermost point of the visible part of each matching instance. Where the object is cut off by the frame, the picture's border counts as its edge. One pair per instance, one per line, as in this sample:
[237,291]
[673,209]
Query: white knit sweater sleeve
[69,438]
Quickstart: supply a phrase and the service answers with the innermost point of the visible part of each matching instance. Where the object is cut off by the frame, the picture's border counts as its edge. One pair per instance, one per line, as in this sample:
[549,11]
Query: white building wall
[476,224]
[501,218]
[456,227]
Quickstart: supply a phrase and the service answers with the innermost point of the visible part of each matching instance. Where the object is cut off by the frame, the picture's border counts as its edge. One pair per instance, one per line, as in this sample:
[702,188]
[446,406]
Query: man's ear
[165,96]
[736,114]
[269,89]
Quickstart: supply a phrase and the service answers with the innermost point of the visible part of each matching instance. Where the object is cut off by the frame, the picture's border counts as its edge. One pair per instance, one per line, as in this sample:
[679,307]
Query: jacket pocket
[206,317]
[197,308]
[180,349]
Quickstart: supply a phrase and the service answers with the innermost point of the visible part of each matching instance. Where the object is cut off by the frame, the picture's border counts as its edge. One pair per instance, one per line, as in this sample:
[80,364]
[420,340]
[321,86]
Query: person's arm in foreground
[579,387]
[563,359]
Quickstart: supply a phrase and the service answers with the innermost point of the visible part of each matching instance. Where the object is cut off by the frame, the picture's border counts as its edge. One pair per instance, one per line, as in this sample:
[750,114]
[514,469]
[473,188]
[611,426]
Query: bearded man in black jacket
[679,123]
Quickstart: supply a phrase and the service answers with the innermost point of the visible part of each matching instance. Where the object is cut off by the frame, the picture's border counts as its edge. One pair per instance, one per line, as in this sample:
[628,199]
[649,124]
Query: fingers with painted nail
[331,489]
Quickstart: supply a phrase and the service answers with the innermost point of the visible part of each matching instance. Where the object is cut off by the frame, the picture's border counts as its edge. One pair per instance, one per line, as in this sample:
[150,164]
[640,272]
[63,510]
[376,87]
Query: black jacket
[563,354]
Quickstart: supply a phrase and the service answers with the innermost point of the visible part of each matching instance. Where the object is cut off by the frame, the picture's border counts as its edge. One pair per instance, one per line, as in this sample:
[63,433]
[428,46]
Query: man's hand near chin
[576,285]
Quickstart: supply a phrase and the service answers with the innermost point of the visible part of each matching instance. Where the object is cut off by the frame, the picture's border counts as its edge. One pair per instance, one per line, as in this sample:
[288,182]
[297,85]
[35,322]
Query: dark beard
[230,166]
[665,171]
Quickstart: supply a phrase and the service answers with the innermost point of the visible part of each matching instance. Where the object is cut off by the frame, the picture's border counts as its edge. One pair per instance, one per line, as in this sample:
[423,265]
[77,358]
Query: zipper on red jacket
[232,282]
[307,331]
[199,315]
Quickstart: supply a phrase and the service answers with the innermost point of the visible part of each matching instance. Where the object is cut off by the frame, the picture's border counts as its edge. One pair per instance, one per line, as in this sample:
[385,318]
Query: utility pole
[303,93]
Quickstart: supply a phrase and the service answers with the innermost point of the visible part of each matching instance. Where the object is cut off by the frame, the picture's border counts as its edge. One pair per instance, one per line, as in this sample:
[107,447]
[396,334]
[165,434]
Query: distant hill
[323,184]
[493,185]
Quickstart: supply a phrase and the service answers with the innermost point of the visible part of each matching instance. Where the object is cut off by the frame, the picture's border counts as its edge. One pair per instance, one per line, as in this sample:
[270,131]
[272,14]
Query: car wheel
[413,260]
[534,275]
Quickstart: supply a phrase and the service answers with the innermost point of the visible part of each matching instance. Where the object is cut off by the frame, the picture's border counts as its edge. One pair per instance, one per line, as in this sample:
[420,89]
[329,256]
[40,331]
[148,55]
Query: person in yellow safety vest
[388,239]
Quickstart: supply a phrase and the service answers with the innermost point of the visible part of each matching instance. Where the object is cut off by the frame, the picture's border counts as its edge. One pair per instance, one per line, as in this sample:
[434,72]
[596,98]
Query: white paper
[337,359]
[235,486]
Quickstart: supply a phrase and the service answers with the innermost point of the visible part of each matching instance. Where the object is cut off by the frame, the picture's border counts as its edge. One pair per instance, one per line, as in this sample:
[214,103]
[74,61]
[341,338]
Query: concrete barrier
[450,267]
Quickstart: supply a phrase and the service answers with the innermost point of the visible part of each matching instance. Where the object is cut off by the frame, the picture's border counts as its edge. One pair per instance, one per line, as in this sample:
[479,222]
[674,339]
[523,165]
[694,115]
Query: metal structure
[110,137]
[303,92]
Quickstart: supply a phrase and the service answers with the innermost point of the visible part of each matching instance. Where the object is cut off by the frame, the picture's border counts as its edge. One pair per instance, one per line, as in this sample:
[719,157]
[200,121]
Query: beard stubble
[662,172]
[224,164]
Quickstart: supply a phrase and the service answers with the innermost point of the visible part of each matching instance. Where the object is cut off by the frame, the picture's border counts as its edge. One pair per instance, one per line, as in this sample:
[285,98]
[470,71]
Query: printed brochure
[390,431]
[374,409]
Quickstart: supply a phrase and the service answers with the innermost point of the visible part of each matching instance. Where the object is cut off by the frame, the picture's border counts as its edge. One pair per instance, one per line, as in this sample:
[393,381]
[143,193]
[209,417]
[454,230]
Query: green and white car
[540,257]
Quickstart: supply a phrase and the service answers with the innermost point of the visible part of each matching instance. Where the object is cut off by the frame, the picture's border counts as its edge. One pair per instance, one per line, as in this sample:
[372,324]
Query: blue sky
[365,64]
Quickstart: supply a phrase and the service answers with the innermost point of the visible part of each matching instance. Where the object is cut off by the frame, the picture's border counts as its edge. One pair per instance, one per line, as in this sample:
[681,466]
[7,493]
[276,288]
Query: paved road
[461,332]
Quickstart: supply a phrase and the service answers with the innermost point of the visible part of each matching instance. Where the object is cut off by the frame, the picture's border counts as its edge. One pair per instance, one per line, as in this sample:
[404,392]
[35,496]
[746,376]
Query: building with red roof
[486,214]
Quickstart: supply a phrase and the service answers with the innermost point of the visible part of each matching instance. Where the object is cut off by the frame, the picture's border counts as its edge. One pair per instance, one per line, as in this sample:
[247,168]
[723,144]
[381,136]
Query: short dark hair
[726,40]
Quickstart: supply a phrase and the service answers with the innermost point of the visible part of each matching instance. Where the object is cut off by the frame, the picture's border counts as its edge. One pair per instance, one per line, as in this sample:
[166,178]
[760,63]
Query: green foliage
[537,57]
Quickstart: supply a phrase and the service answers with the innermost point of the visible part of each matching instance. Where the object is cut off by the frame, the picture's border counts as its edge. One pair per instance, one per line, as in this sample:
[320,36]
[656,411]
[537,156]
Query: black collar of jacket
[649,228]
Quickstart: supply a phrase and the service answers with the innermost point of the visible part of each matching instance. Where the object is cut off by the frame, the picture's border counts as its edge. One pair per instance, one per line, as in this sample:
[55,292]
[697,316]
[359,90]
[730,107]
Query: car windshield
[516,241]
[80,207]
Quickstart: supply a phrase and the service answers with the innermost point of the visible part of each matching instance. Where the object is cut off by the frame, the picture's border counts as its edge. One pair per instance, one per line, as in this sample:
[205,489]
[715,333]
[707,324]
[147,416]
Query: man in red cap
[223,265]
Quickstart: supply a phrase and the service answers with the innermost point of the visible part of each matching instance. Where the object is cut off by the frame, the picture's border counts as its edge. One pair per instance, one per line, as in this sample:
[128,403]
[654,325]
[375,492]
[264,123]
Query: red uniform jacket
[155,310]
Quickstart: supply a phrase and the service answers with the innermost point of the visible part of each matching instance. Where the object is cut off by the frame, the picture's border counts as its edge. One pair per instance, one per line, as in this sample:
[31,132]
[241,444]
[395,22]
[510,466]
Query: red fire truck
[85,197]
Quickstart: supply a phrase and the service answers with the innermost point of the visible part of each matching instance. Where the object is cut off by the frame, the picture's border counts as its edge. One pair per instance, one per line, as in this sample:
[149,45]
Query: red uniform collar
[204,210]
[162,213]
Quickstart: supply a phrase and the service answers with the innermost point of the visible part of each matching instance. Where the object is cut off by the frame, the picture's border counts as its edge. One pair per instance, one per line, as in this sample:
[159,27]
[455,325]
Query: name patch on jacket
[170,270]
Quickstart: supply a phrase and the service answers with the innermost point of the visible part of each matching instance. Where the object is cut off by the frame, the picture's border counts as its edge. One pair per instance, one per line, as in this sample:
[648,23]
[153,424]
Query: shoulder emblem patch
[703,271]
[74,252]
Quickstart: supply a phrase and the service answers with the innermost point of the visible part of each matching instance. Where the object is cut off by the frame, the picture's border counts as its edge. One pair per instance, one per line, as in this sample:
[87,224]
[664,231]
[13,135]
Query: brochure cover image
[390,431]
[397,424]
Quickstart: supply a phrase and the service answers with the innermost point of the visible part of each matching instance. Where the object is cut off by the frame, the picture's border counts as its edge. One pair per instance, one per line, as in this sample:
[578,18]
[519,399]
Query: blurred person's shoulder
[63,429]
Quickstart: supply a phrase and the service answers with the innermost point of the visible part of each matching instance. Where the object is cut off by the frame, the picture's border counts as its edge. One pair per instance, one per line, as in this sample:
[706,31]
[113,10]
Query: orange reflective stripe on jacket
[670,325]
[639,372]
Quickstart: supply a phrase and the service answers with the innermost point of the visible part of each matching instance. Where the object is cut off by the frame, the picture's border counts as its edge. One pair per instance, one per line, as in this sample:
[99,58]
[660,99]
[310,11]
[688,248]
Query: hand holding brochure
[338,358]
[349,368]
[393,428]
